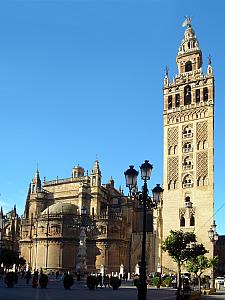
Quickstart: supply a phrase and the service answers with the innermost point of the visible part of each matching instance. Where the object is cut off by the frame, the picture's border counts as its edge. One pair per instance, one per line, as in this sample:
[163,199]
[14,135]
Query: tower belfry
[188,145]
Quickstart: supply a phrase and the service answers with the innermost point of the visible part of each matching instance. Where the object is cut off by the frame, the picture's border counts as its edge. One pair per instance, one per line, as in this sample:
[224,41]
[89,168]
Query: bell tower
[188,179]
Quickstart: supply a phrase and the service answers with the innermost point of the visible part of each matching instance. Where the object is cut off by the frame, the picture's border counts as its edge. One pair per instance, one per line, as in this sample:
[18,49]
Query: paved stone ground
[55,291]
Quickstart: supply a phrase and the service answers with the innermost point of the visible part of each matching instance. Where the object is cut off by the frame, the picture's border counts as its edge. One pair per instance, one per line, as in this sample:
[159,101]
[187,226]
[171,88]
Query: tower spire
[189,57]
[36,182]
[96,174]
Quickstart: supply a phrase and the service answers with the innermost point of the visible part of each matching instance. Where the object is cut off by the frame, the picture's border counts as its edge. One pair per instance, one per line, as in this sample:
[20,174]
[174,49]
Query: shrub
[91,282]
[10,279]
[68,281]
[115,282]
[167,281]
[156,281]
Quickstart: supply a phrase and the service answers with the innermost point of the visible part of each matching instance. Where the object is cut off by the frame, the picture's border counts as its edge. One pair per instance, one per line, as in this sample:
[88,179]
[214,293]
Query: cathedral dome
[61,208]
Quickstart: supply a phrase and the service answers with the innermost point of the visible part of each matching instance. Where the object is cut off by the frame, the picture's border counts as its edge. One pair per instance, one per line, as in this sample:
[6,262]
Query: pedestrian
[28,276]
[99,279]
[106,280]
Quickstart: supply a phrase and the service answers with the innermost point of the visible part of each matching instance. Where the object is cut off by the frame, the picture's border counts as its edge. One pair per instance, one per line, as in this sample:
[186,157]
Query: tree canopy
[10,257]
[182,246]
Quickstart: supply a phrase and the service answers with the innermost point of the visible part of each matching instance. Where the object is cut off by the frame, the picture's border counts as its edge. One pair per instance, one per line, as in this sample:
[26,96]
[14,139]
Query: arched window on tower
[205,94]
[187,147]
[182,221]
[187,199]
[188,66]
[187,202]
[192,220]
[175,184]
[177,100]
[187,164]
[197,95]
[187,95]
[170,102]
[187,132]
[187,181]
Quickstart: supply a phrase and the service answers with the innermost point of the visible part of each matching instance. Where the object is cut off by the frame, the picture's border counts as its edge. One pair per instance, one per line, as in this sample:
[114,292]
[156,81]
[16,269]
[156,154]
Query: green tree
[21,262]
[8,258]
[199,264]
[182,246]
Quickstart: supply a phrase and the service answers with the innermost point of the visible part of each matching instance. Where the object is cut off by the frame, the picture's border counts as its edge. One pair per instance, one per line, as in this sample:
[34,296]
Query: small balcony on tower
[187,163]
[187,181]
[187,132]
[187,147]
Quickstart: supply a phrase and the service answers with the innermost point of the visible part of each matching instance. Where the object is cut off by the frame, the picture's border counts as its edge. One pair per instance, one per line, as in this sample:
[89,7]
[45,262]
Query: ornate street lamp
[213,236]
[131,182]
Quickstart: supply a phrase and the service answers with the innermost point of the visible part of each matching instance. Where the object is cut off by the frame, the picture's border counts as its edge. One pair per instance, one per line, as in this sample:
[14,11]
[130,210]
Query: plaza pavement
[56,291]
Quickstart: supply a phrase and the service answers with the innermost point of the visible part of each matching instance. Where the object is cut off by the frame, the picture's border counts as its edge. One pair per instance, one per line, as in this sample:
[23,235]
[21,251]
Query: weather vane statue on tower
[187,22]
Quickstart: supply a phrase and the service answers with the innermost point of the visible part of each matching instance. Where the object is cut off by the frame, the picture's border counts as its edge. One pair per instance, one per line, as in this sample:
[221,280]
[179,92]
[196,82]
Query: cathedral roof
[61,208]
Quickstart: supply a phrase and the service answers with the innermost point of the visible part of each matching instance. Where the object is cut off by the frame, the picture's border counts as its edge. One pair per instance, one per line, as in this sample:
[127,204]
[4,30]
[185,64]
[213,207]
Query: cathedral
[78,224]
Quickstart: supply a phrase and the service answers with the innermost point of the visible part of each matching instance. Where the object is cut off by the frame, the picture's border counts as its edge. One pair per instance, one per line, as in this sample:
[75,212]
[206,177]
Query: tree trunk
[199,283]
[178,280]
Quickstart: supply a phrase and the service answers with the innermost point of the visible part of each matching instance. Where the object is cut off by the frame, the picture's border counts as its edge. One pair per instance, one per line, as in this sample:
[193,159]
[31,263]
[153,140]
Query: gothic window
[187,163]
[182,221]
[172,185]
[205,145]
[197,95]
[170,102]
[175,184]
[187,147]
[177,100]
[187,95]
[188,203]
[192,220]
[187,199]
[187,132]
[205,181]
[188,66]
[175,150]
[187,182]
[205,94]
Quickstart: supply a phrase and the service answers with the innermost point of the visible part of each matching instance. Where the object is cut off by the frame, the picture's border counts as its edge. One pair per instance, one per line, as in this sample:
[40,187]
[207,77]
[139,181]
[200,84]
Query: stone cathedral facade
[50,235]
[188,146]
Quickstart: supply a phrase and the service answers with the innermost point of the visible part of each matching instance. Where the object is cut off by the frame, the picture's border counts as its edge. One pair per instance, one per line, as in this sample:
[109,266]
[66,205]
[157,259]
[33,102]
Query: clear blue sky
[80,78]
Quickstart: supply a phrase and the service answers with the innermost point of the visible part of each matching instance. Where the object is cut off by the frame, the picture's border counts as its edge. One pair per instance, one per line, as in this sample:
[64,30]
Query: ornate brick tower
[188,145]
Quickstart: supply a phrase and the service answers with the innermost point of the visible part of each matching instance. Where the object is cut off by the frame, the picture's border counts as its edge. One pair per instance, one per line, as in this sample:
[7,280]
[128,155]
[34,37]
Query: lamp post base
[142,291]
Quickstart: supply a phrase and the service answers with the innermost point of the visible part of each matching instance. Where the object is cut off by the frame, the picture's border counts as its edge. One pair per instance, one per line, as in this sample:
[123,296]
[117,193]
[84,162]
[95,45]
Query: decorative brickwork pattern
[202,131]
[173,169]
[182,212]
[172,136]
[191,211]
[202,164]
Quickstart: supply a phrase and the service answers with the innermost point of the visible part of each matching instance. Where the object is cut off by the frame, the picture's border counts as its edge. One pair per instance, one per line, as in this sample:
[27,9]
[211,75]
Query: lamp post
[213,236]
[146,201]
